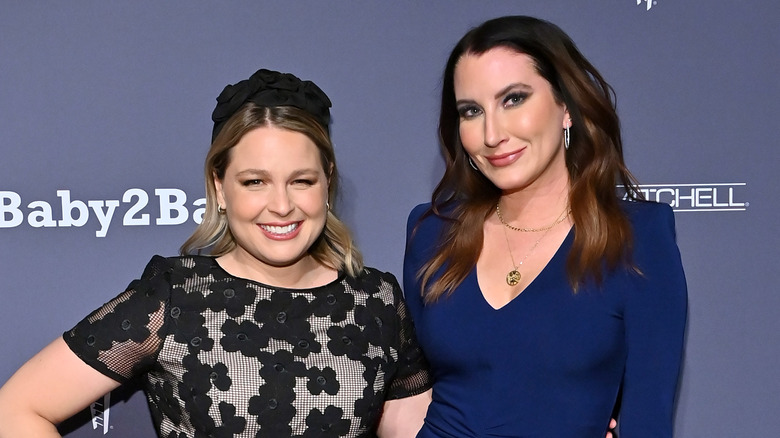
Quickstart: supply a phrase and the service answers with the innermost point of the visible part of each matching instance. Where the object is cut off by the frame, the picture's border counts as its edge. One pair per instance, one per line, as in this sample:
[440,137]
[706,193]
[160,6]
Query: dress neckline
[340,275]
[565,244]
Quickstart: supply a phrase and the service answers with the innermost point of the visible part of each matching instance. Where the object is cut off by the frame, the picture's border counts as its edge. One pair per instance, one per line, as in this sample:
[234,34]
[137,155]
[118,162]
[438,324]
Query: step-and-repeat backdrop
[105,121]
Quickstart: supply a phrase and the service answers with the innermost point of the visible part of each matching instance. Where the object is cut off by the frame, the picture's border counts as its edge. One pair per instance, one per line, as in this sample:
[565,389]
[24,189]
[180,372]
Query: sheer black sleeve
[122,338]
[413,375]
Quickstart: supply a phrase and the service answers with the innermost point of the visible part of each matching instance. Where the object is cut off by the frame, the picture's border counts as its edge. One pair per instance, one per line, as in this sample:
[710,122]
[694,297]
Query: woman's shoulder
[186,261]
[648,214]
[424,232]
[373,282]
[418,211]
[424,222]
[642,207]
[653,227]
[175,269]
[376,276]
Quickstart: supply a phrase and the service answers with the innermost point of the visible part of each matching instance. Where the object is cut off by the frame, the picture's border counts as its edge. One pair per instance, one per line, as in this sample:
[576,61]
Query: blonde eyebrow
[301,172]
[262,172]
[252,172]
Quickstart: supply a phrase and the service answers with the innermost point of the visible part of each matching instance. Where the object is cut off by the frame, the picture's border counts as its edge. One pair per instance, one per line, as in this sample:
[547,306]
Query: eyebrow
[510,87]
[296,173]
[252,172]
[500,93]
[301,172]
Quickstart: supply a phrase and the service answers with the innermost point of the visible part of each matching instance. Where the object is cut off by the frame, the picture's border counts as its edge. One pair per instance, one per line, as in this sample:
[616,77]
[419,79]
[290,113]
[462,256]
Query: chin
[511,186]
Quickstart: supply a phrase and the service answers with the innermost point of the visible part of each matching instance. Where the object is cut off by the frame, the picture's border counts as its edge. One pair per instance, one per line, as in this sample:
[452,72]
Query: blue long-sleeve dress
[552,362]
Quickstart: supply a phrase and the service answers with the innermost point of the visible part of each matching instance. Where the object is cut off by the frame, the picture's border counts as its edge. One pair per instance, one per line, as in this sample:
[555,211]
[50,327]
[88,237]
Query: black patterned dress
[223,356]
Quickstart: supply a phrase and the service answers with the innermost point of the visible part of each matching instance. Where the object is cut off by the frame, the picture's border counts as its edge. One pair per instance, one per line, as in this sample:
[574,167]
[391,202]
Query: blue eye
[469,111]
[514,99]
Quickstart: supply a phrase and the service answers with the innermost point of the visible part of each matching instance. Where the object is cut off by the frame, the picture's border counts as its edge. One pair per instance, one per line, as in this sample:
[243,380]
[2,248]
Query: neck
[536,205]
[302,274]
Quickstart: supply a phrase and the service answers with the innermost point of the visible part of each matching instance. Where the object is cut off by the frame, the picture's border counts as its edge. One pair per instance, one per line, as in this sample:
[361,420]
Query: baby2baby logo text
[169,205]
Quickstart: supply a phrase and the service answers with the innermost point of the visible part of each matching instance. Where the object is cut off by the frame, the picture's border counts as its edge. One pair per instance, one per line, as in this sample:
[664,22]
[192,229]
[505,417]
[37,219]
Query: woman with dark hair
[543,301]
[280,331]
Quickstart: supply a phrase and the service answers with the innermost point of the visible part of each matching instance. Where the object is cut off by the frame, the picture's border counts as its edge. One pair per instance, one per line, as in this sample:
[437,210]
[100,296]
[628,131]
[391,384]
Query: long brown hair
[465,198]
[334,248]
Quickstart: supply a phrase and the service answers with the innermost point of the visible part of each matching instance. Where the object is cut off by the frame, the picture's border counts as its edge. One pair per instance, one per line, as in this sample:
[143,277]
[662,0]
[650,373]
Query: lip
[501,160]
[280,235]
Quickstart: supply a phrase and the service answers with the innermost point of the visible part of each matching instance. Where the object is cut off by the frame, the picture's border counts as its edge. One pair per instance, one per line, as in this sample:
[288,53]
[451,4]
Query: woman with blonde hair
[279,331]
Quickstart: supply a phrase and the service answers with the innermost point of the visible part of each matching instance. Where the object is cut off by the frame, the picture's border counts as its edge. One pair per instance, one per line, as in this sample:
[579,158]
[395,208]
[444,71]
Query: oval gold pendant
[513,277]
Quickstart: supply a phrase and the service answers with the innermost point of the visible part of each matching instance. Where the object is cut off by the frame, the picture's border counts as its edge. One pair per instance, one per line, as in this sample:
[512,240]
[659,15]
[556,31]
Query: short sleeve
[412,376]
[122,338]
[655,318]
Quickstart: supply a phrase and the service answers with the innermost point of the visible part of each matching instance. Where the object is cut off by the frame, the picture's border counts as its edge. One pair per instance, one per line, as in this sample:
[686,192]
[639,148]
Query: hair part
[465,198]
[335,247]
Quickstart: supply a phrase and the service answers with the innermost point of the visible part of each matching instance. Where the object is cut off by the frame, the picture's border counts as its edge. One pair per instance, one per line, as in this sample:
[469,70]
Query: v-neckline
[556,255]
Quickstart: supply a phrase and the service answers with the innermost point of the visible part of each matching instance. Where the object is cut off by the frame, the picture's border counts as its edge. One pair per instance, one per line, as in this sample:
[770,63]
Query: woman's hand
[612,425]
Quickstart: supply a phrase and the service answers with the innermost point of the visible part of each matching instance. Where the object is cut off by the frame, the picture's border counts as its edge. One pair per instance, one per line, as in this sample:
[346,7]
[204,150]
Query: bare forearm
[53,385]
[403,418]
[16,424]
[18,417]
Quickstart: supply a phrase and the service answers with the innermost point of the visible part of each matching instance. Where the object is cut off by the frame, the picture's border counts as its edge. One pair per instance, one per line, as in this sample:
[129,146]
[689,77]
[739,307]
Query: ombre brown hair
[464,198]
[334,248]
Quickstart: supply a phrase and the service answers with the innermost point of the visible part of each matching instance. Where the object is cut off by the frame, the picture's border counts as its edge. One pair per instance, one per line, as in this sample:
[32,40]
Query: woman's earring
[566,138]
[220,210]
[327,205]
[473,166]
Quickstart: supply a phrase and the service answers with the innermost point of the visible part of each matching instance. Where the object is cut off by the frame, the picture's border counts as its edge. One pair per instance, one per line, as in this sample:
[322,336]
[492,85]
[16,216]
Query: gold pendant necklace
[513,277]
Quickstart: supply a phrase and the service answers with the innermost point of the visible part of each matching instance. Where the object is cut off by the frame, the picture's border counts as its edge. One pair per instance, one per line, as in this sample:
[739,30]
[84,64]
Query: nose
[280,202]
[494,132]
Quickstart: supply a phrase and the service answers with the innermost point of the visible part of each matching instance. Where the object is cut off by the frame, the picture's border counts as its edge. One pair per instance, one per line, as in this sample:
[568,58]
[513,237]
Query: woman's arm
[655,317]
[404,417]
[51,387]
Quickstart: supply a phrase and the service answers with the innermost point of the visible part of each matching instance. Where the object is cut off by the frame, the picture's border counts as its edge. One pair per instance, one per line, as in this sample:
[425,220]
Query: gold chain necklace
[565,214]
[513,277]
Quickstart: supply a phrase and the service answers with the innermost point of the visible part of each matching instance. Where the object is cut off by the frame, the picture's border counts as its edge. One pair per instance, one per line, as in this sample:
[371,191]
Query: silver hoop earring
[220,210]
[566,138]
[473,166]
[327,205]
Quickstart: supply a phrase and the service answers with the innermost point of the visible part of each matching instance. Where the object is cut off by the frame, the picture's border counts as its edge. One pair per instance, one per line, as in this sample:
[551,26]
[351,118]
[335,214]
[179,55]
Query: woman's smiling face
[275,194]
[511,125]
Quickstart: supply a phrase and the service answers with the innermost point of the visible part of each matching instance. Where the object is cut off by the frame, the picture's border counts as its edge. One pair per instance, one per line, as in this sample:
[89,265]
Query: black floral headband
[272,88]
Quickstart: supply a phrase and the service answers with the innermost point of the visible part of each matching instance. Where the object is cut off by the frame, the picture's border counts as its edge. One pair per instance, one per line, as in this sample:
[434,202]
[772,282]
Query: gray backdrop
[111,101]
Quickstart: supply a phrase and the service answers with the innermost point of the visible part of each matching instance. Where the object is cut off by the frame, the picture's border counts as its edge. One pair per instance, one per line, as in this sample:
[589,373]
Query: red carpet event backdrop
[105,119]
